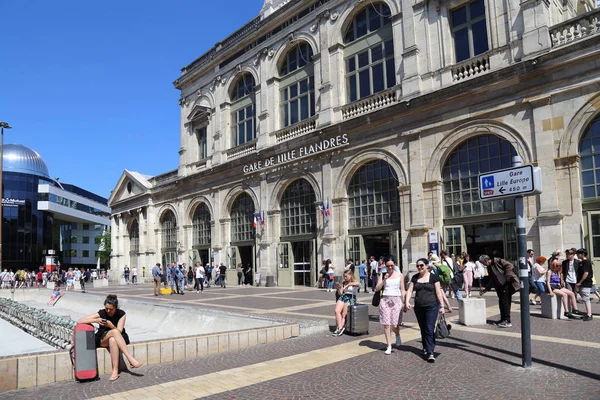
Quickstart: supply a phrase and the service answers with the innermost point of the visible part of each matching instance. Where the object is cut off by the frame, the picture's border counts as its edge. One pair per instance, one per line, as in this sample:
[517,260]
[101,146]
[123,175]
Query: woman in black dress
[111,333]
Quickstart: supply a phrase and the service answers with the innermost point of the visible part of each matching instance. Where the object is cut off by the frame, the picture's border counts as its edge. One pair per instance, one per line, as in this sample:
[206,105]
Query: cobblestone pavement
[474,363]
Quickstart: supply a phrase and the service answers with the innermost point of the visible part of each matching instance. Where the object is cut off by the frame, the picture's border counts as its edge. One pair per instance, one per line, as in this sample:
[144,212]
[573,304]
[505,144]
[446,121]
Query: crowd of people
[565,277]
[24,278]
[181,277]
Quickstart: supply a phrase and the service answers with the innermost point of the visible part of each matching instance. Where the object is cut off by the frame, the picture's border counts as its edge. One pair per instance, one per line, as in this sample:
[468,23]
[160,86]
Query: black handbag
[442,329]
[376,299]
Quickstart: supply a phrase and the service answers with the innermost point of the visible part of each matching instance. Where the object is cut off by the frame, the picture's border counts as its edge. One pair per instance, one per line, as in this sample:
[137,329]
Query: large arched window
[298,215]
[369,52]
[201,226]
[298,86]
[373,196]
[589,151]
[168,225]
[243,127]
[242,218]
[477,155]
[134,237]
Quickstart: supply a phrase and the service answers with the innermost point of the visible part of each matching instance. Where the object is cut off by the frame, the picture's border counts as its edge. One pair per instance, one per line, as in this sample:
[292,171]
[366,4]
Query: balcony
[295,130]
[372,103]
[470,68]
[580,27]
[241,150]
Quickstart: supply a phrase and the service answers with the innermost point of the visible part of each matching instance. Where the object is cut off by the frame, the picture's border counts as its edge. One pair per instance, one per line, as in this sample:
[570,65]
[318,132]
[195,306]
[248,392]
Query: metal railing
[55,330]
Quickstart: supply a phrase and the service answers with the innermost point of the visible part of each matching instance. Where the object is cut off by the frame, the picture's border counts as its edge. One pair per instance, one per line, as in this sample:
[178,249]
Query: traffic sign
[516,181]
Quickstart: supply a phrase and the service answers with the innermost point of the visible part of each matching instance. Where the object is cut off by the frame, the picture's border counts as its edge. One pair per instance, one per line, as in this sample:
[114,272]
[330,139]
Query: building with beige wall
[345,129]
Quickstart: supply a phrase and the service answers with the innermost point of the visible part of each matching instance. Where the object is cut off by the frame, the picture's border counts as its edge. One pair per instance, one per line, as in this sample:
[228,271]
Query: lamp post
[2,126]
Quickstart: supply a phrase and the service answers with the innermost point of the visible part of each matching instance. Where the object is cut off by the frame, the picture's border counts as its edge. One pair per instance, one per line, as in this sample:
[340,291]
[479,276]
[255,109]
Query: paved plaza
[473,363]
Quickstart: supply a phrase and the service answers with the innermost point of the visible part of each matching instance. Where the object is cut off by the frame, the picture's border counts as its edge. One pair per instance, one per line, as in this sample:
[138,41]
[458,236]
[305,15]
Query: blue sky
[88,84]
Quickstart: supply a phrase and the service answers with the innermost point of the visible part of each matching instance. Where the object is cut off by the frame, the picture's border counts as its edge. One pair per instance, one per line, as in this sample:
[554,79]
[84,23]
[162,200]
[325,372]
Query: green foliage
[104,249]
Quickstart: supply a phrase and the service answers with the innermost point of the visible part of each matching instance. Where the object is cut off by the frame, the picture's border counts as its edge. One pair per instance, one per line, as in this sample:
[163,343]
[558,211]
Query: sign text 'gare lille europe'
[324,145]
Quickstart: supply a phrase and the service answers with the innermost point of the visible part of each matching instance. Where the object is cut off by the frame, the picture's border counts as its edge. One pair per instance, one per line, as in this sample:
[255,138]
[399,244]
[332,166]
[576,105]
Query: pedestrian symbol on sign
[488,182]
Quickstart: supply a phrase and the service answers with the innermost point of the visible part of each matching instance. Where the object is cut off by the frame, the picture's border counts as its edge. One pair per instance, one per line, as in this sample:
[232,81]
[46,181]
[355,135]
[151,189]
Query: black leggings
[199,284]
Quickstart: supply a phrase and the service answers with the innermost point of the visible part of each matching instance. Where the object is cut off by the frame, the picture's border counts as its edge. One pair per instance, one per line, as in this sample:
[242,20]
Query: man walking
[156,274]
[362,271]
[126,274]
[374,273]
[134,276]
[505,281]
[584,283]
[222,275]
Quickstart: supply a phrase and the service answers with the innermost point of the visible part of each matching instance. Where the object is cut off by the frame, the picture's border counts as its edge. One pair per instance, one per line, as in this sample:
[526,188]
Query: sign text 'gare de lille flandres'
[304,151]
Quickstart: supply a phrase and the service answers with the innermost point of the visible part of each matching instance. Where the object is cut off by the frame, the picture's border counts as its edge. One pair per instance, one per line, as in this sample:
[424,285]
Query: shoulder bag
[442,329]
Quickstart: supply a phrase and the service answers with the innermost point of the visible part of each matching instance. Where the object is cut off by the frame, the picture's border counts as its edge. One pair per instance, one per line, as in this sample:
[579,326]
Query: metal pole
[523,276]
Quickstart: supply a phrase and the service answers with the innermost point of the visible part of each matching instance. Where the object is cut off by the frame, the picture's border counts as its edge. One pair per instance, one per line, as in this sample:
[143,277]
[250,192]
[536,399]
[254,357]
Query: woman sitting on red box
[111,333]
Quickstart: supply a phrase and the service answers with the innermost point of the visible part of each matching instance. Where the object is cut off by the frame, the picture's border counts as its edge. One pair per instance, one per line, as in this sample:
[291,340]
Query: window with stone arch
[589,152]
[373,198]
[168,226]
[369,52]
[201,225]
[134,237]
[242,218]
[480,154]
[243,121]
[298,215]
[297,85]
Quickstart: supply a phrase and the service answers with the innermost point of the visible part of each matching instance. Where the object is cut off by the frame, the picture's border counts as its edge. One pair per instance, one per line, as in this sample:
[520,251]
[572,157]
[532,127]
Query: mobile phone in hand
[103,321]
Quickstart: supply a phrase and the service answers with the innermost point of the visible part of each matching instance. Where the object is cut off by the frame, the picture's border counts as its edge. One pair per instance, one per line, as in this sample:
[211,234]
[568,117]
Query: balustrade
[470,68]
[378,100]
[577,28]
[242,150]
[298,129]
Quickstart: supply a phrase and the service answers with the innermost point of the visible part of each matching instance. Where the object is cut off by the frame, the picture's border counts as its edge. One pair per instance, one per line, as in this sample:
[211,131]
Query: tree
[104,248]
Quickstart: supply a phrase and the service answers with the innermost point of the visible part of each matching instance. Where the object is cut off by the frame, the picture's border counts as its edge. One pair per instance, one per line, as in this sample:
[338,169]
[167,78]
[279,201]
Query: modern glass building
[38,213]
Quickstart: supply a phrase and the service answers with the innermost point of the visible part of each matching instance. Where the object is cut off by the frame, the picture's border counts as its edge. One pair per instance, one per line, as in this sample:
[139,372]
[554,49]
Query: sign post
[517,182]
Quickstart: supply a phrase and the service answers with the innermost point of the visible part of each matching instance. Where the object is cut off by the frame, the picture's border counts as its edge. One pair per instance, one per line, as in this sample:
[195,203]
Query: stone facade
[537,88]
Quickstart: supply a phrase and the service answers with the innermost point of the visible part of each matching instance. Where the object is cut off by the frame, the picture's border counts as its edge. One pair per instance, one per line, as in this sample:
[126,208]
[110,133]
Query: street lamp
[2,126]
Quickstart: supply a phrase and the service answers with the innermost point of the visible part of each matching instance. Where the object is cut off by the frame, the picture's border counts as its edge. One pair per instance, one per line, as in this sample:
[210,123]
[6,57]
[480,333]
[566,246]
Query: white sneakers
[388,351]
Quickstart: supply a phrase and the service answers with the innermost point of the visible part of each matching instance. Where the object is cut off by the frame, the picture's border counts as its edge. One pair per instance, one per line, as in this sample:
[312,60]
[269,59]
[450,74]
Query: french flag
[322,208]
[255,222]
[262,218]
[327,210]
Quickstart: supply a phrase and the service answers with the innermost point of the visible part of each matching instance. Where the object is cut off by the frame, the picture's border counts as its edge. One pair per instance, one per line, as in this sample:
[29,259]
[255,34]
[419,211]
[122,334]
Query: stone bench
[552,306]
[471,311]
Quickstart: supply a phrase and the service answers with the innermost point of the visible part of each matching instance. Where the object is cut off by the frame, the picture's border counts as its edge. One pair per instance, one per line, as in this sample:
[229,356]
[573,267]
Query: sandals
[136,366]
[114,378]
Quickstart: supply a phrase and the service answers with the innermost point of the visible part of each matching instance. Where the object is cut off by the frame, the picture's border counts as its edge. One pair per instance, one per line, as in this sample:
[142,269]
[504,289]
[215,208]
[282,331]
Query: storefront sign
[510,182]
[12,202]
[304,151]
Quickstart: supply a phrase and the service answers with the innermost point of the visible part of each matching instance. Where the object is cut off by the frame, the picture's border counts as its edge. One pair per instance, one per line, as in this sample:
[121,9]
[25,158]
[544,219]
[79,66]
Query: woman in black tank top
[111,333]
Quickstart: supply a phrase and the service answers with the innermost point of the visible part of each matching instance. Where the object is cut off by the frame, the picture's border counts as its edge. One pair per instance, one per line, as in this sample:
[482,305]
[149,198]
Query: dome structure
[18,158]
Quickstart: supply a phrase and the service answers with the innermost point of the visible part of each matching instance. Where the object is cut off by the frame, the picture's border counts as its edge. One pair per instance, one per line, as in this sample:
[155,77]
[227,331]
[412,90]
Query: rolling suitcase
[357,320]
[83,353]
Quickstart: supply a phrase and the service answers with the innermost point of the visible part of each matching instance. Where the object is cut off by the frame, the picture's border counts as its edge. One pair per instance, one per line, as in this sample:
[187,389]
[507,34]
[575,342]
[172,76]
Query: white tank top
[392,287]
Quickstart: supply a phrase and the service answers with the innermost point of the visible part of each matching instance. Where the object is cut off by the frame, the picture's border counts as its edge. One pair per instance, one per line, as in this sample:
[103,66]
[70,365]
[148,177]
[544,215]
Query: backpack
[443,272]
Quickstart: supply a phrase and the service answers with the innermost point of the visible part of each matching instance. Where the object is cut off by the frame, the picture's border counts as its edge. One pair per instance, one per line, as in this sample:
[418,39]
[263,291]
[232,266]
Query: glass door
[455,240]
[285,260]
[301,254]
[355,248]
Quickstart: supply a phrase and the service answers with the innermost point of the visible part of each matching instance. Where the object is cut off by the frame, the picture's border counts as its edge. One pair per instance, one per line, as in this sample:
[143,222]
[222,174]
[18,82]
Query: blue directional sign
[517,181]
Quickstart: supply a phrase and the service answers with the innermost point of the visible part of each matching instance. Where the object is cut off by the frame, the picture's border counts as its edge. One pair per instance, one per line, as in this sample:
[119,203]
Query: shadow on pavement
[551,364]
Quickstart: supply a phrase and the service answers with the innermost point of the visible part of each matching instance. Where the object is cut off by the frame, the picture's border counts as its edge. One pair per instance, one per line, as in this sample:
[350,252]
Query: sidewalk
[475,362]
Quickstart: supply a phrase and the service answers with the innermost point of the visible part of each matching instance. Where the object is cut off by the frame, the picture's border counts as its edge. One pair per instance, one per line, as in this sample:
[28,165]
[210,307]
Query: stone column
[536,21]
[412,11]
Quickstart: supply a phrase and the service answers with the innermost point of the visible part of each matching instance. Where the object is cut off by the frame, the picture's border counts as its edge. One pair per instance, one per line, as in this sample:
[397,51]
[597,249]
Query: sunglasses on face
[421,265]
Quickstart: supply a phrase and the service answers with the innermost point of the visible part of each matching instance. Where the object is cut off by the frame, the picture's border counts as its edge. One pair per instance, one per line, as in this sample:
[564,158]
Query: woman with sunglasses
[429,301]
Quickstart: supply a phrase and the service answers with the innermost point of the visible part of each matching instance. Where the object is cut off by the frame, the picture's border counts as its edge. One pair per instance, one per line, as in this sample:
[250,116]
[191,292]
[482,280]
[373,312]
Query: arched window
[201,226]
[134,237]
[168,225]
[369,52]
[298,86]
[484,153]
[242,218]
[373,196]
[298,215]
[243,127]
[589,151]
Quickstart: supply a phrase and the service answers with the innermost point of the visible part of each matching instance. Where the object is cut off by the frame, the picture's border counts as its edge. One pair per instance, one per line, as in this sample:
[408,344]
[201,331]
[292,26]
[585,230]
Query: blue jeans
[173,285]
[541,287]
[182,285]
[427,317]
[329,282]
[365,280]
[374,279]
